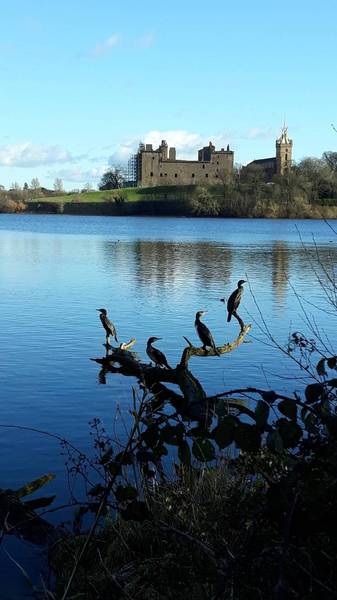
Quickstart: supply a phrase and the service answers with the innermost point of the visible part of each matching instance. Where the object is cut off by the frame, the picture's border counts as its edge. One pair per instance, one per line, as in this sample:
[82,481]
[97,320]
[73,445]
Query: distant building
[279,164]
[160,166]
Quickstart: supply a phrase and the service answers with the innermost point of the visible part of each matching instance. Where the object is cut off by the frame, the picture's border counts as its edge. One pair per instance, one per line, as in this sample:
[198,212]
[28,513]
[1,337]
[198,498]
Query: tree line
[302,191]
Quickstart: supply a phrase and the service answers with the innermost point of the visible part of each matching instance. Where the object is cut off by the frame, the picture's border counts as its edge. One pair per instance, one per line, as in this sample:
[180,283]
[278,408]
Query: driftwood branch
[127,345]
[229,347]
[193,401]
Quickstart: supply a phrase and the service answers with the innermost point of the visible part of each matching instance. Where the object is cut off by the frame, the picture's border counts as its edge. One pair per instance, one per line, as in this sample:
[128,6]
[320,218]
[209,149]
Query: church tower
[284,148]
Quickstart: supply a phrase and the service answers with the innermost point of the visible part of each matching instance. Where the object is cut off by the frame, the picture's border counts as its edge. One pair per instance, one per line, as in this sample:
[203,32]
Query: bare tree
[112,179]
[58,185]
[35,184]
[330,158]
[87,188]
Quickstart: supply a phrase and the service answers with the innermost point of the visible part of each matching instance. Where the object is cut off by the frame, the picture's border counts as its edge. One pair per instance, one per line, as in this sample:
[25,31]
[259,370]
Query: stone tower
[284,148]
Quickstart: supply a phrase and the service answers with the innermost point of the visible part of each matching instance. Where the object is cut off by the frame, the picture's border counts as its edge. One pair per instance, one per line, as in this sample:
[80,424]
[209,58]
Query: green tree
[228,181]
[318,176]
[254,177]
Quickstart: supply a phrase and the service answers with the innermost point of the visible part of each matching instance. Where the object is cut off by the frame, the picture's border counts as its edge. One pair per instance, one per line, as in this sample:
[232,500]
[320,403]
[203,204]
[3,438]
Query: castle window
[206,174]
[161,174]
[217,176]
[151,174]
[165,174]
[176,175]
[192,174]
[217,162]
[203,166]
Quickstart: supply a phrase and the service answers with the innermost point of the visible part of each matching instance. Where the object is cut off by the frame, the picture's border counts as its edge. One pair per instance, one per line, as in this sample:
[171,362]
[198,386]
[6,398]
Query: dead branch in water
[229,347]
[121,360]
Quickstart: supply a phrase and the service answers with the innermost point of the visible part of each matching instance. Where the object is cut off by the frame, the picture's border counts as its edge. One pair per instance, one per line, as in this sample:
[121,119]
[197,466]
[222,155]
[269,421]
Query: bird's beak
[98,309]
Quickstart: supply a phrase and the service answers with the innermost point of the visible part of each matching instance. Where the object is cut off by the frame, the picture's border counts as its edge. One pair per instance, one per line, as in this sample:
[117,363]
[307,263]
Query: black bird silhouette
[156,355]
[109,327]
[204,333]
[234,300]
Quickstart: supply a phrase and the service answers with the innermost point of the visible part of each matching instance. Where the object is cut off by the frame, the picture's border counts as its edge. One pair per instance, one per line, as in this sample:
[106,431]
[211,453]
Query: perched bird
[109,327]
[204,333]
[156,355]
[234,300]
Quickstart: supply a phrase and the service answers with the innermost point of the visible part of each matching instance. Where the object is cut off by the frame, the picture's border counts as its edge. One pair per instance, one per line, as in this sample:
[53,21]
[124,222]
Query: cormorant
[234,300]
[107,324]
[204,333]
[156,355]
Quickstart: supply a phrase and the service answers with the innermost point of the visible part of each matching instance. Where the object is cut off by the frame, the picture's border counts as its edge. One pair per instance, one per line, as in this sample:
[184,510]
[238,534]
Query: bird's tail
[115,336]
[229,317]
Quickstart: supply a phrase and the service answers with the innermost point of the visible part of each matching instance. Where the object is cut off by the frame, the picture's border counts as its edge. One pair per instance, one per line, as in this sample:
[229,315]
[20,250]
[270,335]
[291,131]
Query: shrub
[203,203]
[12,203]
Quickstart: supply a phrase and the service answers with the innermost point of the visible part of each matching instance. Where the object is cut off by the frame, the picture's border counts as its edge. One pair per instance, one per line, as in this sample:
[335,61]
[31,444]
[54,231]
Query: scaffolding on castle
[132,171]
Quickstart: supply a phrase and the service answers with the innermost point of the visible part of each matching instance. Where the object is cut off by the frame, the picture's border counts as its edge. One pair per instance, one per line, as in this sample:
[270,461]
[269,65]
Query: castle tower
[284,148]
[163,149]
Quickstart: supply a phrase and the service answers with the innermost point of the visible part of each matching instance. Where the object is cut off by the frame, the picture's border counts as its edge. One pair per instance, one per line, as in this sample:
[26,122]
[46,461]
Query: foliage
[204,204]
[249,512]
[119,198]
[12,202]
[112,179]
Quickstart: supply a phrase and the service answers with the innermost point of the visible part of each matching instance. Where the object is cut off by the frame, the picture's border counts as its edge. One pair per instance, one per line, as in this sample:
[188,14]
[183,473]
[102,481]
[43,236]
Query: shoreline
[107,212]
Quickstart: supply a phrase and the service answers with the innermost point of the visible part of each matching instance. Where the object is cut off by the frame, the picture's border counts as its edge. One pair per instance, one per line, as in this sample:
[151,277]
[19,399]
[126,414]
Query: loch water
[152,274]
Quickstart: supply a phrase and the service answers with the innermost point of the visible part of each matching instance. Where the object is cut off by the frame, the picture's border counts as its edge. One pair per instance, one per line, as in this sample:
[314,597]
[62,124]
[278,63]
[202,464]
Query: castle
[160,167]
[149,167]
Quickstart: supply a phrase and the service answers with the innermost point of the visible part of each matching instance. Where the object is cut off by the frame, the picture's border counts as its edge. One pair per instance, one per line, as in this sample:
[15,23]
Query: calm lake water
[152,275]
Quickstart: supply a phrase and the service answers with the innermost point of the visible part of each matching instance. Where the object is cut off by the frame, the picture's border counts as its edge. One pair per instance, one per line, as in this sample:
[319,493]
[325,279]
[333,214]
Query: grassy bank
[213,201]
[128,201]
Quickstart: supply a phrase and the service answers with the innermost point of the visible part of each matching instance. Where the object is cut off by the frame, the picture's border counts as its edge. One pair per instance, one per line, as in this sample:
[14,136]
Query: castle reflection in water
[165,266]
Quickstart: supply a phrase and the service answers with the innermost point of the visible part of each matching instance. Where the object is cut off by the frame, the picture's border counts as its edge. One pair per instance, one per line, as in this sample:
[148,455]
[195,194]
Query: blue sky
[82,82]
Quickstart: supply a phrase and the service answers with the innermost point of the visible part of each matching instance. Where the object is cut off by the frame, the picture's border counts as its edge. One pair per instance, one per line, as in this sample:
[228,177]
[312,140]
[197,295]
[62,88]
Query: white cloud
[79,175]
[103,48]
[26,154]
[186,143]
[122,151]
[145,41]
